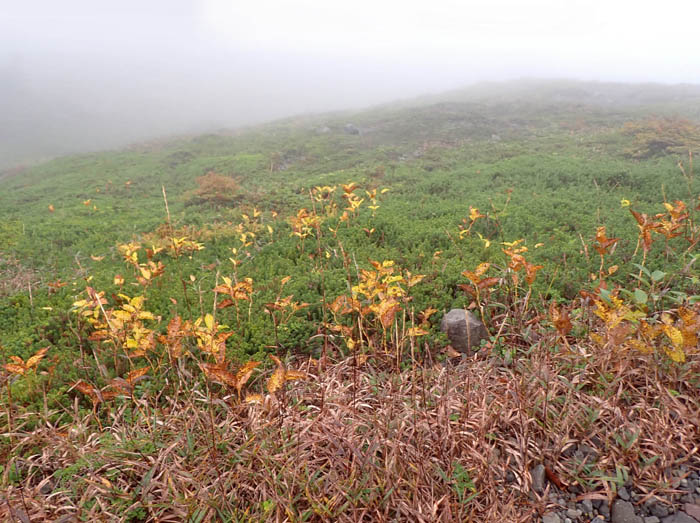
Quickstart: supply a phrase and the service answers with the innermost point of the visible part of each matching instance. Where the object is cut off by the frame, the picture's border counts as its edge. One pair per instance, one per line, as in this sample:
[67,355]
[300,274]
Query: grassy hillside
[149,274]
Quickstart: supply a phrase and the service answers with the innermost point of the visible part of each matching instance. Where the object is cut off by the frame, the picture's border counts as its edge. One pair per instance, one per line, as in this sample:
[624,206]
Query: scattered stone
[623,512]
[623,494]
[651,519]
[574,513]
[604,509]
[597,519]
[679,517]
[587,505]
[659,510]
[464,331]
[692,510]
[585,452]
[551,517]
[46,487]
[537,474]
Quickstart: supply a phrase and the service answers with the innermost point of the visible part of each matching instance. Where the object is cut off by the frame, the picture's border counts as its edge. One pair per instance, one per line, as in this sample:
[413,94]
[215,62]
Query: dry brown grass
[16,277]
[368,444]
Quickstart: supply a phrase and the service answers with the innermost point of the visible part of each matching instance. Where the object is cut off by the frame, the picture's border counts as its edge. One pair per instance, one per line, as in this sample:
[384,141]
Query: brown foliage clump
[215,188]
[360,442]
[657,136]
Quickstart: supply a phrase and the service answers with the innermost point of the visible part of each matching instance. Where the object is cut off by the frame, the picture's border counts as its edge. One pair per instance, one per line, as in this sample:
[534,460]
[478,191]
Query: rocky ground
[631,503]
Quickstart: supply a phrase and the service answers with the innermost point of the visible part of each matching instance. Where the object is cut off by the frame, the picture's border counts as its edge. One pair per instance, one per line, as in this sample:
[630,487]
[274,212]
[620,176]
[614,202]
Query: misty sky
[82,74]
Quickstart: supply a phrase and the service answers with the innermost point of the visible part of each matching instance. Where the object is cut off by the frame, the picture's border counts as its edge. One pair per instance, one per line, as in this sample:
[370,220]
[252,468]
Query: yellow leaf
[254,398]
[209,321]
[276,380]
[137,302]
[14,369]
[474,213]
[640,346]
[292,375]
[675,336]
[676,354]
[417,331]
[597,338]
[38,356]
[122,315]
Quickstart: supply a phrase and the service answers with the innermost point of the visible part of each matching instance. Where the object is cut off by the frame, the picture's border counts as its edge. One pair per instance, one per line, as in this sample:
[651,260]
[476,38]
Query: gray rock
[652,519]
[623,494]
[351,129]
[464,330]
[679,517]
[692,510]
[623,512]
[659,510]
[597,519]
[46,487]
[587,506]
[537,474]
[551,517]
[574,513]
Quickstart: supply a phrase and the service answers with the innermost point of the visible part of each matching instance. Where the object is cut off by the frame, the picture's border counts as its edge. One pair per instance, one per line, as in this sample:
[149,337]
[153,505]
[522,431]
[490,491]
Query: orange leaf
[135,374]
[278,376]
[38,356]
[14,368]
[219,375]
[560,319]
[244,374]
[292,375]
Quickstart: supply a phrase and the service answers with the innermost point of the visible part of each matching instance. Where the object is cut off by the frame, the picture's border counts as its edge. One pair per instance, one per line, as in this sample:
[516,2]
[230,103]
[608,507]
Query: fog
[81,75]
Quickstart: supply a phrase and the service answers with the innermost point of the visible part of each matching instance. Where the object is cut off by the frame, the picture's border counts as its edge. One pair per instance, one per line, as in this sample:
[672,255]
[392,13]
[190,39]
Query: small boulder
[623,512]
[551,517]
[464,330]
[351,129]
[538,474]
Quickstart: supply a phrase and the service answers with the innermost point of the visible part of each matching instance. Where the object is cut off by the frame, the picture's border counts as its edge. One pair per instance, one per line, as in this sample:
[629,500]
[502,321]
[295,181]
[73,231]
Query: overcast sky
[95,73]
